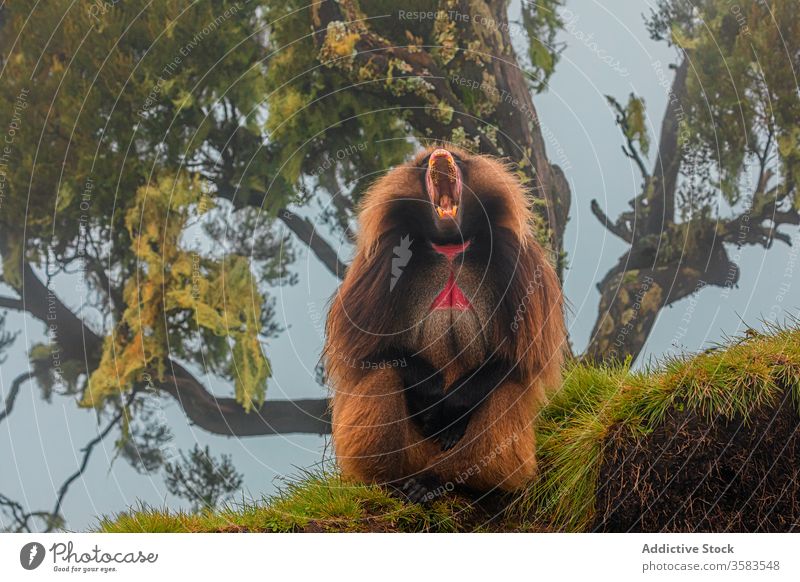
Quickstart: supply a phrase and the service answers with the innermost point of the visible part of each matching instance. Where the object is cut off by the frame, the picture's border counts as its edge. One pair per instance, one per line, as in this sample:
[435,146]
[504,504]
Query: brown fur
[520,319]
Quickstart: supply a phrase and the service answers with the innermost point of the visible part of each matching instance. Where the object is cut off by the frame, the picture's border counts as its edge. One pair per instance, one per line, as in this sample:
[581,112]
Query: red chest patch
[451,296]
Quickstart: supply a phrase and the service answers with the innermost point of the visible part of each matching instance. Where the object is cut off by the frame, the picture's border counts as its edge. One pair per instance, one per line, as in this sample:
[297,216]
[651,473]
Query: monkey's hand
[464,397]
[449,436]
[424,390]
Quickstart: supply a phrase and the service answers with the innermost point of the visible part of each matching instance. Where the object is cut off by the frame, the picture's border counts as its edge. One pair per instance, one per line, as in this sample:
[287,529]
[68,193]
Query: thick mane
[529,314]
[359,322]
[375,212]
[498,181]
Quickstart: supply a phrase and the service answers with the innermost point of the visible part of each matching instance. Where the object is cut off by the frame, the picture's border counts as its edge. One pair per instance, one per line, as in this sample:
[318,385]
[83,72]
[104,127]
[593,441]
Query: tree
[201,479]
[726,168]
[140,130]
[176,116]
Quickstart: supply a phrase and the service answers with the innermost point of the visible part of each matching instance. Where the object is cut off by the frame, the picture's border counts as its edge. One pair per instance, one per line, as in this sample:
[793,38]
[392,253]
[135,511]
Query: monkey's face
[449,225]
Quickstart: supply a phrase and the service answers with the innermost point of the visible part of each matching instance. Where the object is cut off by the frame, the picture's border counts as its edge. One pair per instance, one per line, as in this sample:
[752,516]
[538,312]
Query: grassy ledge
[747,377]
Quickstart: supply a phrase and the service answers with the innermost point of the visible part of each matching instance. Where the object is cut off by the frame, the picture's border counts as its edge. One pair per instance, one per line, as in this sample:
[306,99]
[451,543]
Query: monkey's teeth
[451,211]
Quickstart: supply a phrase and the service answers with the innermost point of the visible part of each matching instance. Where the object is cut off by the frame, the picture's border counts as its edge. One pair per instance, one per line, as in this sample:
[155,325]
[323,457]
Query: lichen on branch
[179,295]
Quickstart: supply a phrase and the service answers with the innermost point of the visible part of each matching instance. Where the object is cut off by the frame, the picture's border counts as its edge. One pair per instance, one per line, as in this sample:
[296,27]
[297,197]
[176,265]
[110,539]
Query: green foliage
[741,103]
[542,24]
[213,300]
[637,127]
[112,103]
[316,117]
[632,121]
[107,97]
[130,123]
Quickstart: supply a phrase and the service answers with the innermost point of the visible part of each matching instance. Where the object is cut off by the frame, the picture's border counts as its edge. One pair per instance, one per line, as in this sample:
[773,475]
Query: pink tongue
[451,297]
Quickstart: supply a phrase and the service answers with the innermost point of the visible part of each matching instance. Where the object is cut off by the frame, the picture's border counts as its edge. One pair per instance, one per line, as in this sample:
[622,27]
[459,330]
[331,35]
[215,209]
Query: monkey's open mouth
[443,181]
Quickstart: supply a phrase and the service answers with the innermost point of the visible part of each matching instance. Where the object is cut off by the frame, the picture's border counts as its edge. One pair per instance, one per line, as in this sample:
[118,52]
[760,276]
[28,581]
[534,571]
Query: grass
[729,381]
[318,503]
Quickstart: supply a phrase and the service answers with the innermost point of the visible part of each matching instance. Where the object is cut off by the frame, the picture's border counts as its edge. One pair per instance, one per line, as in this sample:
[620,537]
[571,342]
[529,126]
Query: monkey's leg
[374,439]
[498,449]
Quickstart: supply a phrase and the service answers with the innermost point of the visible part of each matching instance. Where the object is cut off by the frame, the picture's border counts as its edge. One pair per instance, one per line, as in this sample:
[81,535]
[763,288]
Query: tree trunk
[520,135]
[658,268]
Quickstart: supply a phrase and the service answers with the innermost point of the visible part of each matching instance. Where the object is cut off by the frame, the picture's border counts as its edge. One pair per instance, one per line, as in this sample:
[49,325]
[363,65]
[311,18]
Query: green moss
[749,373]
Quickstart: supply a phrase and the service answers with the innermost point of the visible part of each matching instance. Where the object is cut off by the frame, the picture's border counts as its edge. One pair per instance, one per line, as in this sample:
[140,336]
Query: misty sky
[608,52]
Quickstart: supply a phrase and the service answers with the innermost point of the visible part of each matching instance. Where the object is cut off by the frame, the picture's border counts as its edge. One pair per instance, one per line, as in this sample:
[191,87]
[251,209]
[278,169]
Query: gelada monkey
[446,331]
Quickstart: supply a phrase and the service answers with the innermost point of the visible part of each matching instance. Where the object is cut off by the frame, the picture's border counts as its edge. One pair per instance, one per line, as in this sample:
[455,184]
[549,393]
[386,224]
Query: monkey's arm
[439,414]
[423,386]
[465,396]
[424,389]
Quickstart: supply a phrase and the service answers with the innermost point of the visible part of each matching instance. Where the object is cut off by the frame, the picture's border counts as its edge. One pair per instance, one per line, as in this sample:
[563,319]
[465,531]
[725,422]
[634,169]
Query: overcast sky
[608,52]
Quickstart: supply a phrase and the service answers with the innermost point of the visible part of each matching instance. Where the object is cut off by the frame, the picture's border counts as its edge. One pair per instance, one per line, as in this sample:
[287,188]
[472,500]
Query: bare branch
[765,174]
[304,229]
[11,303]
[617,228]
[757,233]
[87,453]
[631,151]
[13,392]
[226,416]
[53,518]
[18,513]
[750,228]
[19,516]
